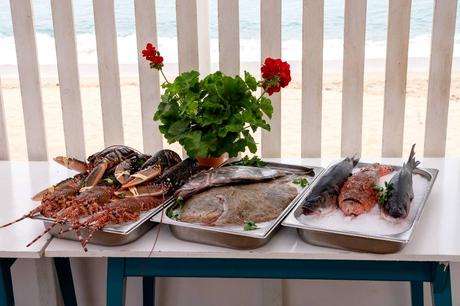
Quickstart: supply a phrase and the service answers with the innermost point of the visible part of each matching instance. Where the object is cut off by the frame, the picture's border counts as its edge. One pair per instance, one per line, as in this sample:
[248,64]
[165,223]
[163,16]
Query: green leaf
[250,81]
[303,182]
[249,226]
[266,106]
[255,161]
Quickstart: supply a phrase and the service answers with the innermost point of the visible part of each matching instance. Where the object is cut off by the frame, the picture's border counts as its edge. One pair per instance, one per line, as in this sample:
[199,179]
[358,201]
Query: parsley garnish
[254,162]
[384,192]
[250,226]
[303,182]
[175,211]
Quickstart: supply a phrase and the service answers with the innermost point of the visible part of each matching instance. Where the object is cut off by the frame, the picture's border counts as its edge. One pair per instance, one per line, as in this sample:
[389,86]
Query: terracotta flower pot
[210,161]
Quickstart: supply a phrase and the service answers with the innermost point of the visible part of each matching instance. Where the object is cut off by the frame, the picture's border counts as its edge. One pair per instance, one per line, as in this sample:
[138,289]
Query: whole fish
[398,203]
[358,195]
[324,193]
[226,176]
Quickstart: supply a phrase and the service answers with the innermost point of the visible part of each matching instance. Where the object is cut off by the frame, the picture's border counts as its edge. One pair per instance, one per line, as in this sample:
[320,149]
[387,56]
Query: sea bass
[398,203]
[324,193]
[225,176]
[358,195]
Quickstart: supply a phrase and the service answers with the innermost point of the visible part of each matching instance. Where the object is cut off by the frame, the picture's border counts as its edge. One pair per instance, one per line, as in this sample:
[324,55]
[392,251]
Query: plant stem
[164,77]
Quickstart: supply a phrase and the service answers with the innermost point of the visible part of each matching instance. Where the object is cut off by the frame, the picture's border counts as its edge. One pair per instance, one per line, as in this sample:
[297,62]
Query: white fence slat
[229,37]
[187,35]
[396,77]
[204,42]
[270,32]
[312,76]
[353,76]
[109,75]
[4,152]
[149,81]
[29,78]
[69,83]
[442,41]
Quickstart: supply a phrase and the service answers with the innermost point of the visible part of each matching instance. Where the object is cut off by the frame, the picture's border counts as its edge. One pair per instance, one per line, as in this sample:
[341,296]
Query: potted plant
[216,114]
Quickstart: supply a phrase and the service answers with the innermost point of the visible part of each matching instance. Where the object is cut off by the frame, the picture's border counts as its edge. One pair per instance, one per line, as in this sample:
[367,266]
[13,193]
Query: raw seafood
[323,195]
[398,203]
[358,195]
[226,176]
[237,204]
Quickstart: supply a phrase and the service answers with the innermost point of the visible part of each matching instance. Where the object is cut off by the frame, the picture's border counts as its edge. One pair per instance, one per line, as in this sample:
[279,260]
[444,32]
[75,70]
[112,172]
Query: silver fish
[324,193]
[398,203]
[226,176]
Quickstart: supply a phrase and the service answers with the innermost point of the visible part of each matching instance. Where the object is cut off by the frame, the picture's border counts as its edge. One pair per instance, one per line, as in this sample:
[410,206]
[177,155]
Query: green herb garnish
[384,192]
[109,181]
[250,226]
[303,182]
[121,195]
[175,211]
[255,161]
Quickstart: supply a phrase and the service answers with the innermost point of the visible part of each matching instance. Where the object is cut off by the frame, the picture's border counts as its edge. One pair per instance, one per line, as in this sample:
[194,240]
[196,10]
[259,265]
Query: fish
[238,204]
[225,176]
[324,193]
[358,195]
[398,202]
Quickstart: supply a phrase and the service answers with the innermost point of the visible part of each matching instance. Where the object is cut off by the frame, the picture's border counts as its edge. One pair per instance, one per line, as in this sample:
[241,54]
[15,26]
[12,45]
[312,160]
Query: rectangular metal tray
[227,236]
[109,235]
[359,241]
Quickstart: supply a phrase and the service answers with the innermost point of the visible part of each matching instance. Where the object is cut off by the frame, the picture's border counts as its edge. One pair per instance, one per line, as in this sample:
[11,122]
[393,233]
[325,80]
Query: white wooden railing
[193,51]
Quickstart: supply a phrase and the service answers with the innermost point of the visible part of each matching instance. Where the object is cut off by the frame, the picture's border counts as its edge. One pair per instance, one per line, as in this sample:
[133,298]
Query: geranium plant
[216,115]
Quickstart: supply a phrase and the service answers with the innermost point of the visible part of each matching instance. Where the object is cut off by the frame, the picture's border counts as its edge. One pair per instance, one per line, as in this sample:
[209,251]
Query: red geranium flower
[152,55]
[275,74]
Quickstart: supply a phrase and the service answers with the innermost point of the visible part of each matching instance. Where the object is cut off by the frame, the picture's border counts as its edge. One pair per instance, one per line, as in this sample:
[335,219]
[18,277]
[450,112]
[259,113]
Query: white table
[19,181]
[436,240]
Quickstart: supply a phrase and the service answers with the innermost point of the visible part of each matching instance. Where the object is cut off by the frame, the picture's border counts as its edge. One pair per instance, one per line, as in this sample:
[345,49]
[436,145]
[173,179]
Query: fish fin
[411,162]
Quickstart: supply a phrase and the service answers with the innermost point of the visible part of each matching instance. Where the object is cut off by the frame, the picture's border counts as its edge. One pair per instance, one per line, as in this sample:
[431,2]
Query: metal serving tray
[360,240]
[232,236]
[109,235]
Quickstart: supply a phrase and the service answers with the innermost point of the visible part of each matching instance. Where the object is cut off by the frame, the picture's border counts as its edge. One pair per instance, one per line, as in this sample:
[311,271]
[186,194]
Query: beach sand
[291,109]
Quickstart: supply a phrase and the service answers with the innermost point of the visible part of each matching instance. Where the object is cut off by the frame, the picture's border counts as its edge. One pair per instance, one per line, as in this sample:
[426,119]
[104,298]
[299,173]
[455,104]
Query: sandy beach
[291,108]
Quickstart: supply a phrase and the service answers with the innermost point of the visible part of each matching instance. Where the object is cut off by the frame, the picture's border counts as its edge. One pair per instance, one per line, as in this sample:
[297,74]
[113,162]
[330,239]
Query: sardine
[398,203]
[324,193]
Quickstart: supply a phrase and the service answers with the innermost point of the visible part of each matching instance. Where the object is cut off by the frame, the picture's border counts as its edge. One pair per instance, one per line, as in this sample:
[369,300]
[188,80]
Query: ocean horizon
[376,31]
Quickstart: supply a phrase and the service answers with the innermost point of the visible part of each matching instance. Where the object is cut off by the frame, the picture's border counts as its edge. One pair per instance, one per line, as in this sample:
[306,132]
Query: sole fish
[357,195]
[398,203]
[323,195]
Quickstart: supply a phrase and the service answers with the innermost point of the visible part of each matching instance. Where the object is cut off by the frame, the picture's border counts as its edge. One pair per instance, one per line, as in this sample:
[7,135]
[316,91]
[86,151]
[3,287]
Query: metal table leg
[64,274]
[416,291]
[148,290]
[441,287]
[116,281]
[6,286]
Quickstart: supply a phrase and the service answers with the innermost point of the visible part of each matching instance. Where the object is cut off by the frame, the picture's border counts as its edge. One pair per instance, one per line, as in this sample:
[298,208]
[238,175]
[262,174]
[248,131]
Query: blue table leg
[441,287]
[64,274]
[148,290]
[116,281]
[416,291]
[6,286]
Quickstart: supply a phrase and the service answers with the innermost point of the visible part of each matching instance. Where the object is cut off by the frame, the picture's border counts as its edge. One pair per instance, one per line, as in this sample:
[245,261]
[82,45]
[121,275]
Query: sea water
[376,30]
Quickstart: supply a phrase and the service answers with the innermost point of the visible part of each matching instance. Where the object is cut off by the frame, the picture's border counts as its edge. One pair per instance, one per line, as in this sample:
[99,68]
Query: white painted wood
[4,152]
[149,82]
[229,37]
[109,75]
[29,78]
[396,77]
[204,42]
[442,42]
[353,76]
[69,83]
[187,35]
[312,76]
[270,34]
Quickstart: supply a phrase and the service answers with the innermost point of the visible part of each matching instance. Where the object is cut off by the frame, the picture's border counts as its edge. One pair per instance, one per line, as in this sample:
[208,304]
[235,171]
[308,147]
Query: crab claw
[72,163]
[143,176]
[96,174]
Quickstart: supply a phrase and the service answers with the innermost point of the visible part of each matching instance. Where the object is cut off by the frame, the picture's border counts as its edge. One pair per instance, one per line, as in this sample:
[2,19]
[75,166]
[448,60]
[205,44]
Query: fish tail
[411,162]
[354,159]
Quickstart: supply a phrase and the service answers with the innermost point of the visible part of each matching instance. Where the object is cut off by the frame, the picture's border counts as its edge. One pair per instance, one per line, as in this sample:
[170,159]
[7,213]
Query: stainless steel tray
[109,235]
[360,240]
[232,236]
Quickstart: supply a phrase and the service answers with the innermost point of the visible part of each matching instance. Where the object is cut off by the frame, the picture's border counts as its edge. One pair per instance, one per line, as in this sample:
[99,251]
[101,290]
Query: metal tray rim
[402,237]
[165,220]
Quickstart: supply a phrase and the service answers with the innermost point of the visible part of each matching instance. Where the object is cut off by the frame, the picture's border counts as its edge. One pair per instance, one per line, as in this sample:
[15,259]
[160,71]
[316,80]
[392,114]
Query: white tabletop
[436,237]
[19,181]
